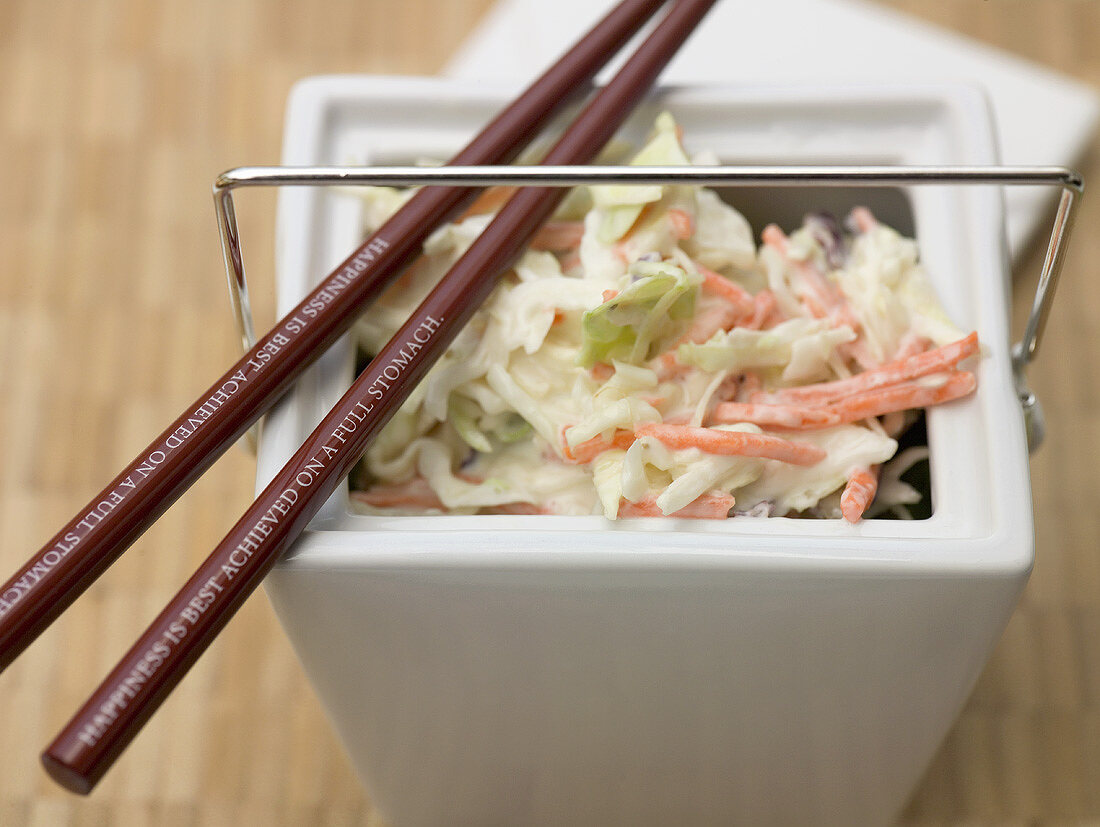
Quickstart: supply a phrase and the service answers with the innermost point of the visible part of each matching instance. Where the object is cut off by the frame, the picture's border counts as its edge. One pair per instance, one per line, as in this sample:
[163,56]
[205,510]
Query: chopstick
[71,561]
[89,744]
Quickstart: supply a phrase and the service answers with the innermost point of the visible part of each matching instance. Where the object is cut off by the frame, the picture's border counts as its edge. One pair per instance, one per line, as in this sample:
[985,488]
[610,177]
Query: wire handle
[1023,352]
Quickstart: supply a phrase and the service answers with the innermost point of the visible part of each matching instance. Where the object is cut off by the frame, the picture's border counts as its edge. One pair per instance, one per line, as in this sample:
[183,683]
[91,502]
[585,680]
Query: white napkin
[1042,117]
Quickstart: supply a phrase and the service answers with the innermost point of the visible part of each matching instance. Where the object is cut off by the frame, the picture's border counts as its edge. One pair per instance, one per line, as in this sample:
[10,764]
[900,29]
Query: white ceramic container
[564,670]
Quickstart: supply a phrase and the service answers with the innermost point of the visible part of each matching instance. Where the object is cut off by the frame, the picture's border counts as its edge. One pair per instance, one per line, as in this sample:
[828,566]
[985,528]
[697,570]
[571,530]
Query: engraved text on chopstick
[233,562]
[399,363]
[261,357]
[337,282]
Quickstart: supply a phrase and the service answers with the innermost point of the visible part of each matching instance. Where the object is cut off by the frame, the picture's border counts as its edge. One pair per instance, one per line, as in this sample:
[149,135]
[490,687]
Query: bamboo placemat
[114,117]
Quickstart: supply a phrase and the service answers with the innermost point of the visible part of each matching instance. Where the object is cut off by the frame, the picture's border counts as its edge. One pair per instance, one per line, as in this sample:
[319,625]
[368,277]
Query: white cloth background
[1042,117]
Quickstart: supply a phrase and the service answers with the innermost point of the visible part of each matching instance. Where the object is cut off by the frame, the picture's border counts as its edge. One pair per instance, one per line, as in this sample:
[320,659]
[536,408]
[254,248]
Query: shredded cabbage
[629,325]
[614,371]
[620,205]
[803,346]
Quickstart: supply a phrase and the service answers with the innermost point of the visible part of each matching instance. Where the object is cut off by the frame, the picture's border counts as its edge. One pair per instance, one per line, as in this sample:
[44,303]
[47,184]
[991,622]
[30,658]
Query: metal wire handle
[1023,352]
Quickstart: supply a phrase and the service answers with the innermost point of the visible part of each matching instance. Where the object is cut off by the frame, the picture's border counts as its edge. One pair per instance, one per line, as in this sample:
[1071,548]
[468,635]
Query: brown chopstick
[71,561]
[89,744]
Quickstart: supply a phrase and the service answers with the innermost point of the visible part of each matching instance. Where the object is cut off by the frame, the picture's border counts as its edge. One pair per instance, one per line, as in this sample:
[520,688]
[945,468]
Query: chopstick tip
[66,776]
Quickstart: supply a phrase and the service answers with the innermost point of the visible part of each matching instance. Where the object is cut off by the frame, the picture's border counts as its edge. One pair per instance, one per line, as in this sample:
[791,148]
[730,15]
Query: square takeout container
[548,670]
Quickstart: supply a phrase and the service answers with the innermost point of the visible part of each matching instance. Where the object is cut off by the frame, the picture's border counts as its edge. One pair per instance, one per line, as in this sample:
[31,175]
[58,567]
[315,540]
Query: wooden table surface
[114,117]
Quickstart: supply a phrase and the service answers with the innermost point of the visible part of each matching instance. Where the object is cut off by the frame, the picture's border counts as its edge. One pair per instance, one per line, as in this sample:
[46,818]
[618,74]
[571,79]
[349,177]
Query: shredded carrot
[558,236]
[860,352]
[792,417]
[822,299]
[683,224]
[559,317]
[923,364]
[774,238]
[894,423]
[570,261]
[814,306]
[718,285]
[727,389]
[669,367]
[514,508]
[863,219]
[714,505]
[903,397]
[733,443]
[750,385]
[709,320]
[408,277]
[601,371]
[820,290]
[842,313]
[858,493]
[910,345]
[678,419]
[592,448]
[490,200]
[608,295]
[764,308]
[416,493]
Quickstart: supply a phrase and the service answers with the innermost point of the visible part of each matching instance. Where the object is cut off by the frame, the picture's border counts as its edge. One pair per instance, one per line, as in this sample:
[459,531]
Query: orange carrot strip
[764,307]
[894,423]
[709,320]
[822,295]
[601,371]
[750,384]
[910,345]
[570,261]
[903,397]
[814,306]
[860,352]
[558,236]
[678,419]
[792,417]
[733,443]
[714,505]
[490,200]
[823,299]
[592,448]
[858,493]
[775,238]
[718,285]
[683,225]
[608,295]
[409,277]
[931,361]
[416,493]
[669,367]
[515,508]
[863,219]
[727,389]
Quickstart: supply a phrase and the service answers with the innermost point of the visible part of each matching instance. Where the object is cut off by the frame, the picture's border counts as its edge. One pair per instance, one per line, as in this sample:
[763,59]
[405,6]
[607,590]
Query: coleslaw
[645,357]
